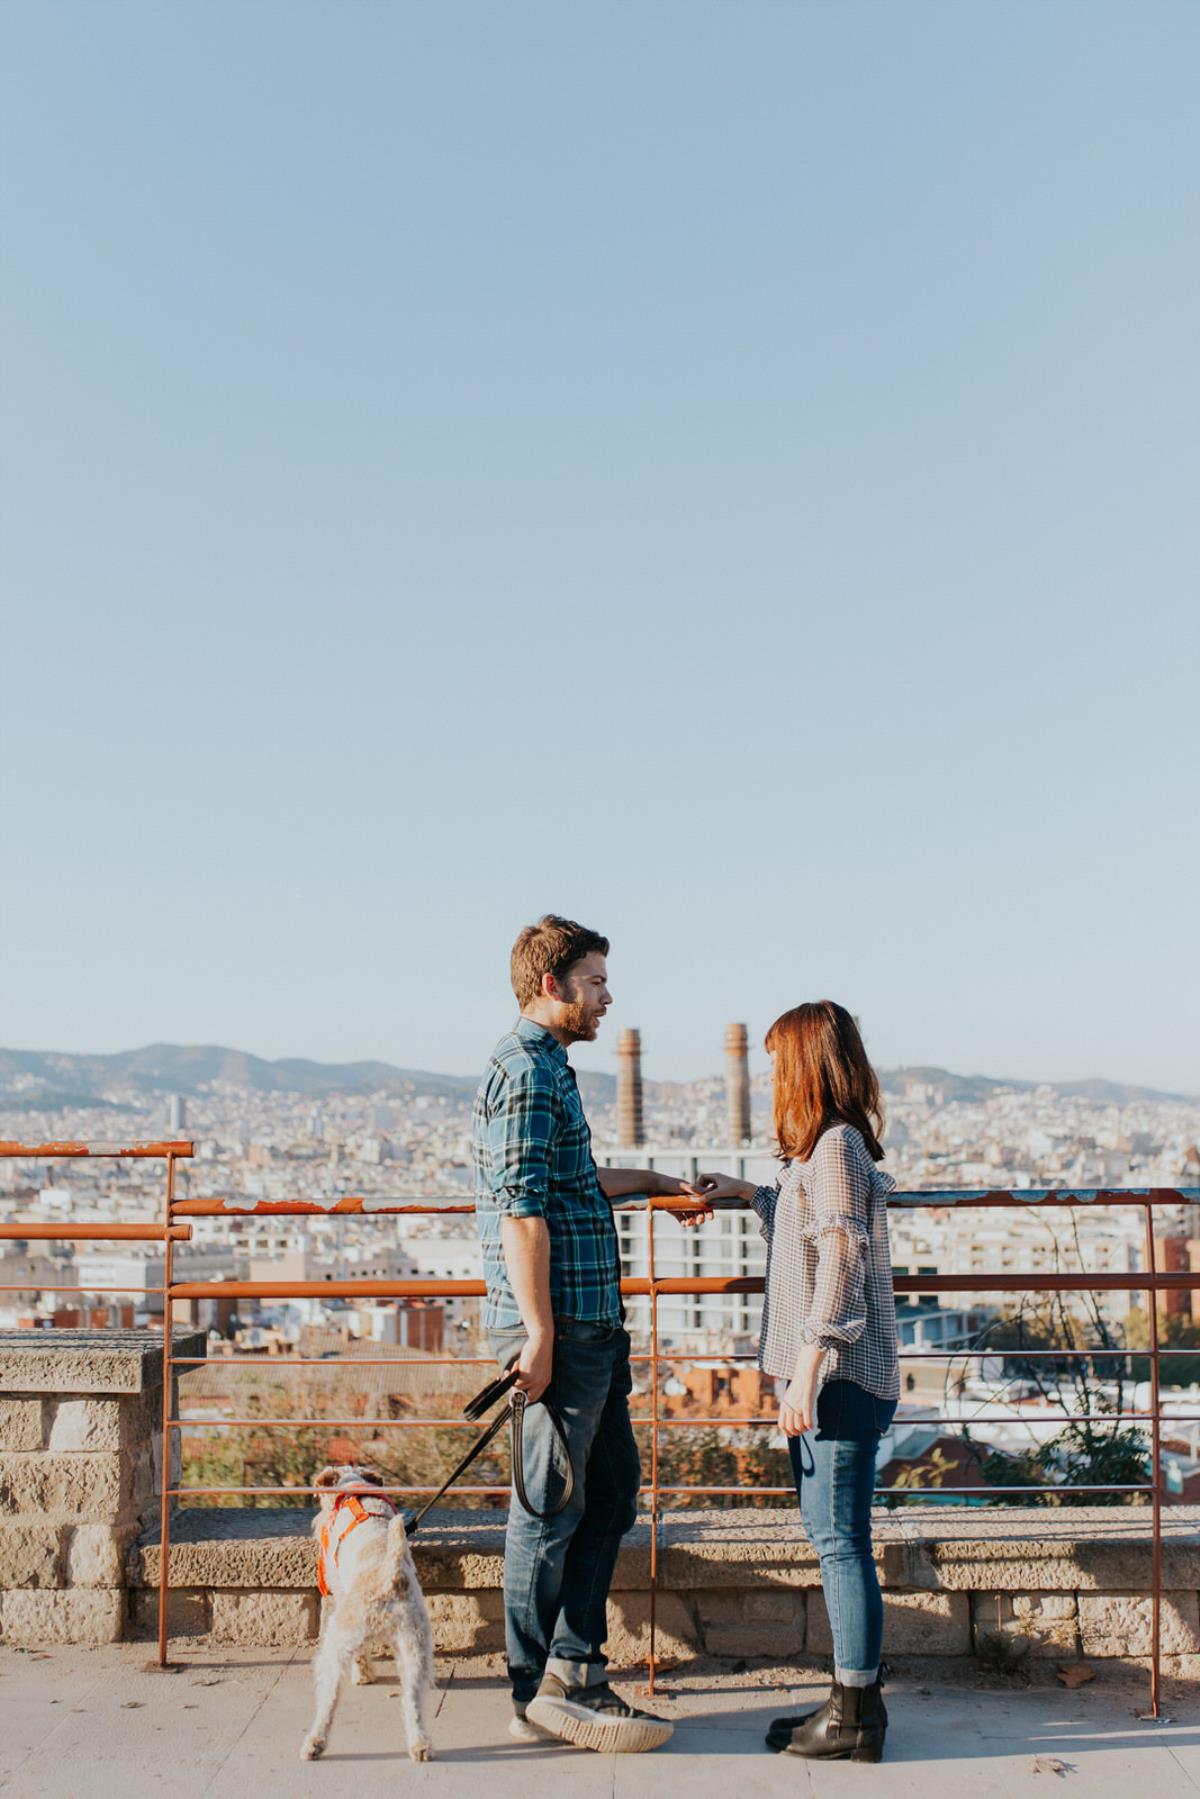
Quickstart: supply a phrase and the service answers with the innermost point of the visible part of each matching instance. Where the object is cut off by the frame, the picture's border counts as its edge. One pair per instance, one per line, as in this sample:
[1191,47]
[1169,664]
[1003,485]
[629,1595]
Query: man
[554,1304]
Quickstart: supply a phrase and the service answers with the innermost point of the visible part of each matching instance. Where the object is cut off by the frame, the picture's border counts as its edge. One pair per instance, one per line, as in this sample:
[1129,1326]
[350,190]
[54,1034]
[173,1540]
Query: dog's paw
[362,1674]
[311,1748]
[421,1752]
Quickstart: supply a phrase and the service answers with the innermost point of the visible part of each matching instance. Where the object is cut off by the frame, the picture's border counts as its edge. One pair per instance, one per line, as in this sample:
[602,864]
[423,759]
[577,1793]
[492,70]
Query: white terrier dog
[366,1568]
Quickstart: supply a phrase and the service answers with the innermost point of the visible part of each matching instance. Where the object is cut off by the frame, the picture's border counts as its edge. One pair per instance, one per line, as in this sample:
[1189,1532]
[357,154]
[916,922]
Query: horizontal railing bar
[348,1205]
[291,1361]
[1146,1487]
[641,1287]
[137,1151]
[194,1492]
[705,1357]
[30,1232]
[985,1281]
[358,1205]
[365,1425]
[966,1423]
[920,1198]
[961,1355]
[758,1492]
[696,1357]
[702,1492]
[908,1492]
[340,1289]
[714,1357]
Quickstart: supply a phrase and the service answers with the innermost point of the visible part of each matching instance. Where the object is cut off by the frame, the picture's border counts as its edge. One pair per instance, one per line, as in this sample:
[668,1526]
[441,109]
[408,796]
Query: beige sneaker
[522,1731]
[576,1704]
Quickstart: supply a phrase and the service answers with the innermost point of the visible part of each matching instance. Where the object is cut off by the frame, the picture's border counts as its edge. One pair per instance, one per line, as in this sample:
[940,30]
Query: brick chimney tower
[737,1084]
[631,1128]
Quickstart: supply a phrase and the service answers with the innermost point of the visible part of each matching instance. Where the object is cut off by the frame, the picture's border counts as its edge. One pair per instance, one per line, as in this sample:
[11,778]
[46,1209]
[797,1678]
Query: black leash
[475,1408]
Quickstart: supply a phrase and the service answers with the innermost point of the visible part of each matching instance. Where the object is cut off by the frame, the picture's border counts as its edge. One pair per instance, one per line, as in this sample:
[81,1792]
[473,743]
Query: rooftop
[76,1721]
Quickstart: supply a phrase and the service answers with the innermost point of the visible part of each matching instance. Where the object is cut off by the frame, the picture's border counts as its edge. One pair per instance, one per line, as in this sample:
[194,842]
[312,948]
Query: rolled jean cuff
[856,1677]
[578,1674]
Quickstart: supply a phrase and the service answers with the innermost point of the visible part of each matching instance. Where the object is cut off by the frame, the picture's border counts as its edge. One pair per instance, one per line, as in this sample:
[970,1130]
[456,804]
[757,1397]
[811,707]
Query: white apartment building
[1011,1240]
[372,1259]
[134,1268]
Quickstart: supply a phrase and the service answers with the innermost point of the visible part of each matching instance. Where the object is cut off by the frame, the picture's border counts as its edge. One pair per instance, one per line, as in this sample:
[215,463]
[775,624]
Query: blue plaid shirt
[533,1159]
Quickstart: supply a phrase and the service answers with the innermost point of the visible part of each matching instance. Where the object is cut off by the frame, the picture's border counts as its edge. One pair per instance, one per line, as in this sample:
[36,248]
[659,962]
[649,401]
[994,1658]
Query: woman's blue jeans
[557,1571]
[834,1470]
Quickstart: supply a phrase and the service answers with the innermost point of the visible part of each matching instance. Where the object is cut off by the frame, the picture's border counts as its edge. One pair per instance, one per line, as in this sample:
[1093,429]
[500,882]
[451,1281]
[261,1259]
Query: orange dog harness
[351,1511]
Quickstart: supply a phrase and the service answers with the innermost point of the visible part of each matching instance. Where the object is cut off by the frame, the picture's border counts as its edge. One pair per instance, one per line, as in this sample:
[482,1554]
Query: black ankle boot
[851,1724]
[779,1736]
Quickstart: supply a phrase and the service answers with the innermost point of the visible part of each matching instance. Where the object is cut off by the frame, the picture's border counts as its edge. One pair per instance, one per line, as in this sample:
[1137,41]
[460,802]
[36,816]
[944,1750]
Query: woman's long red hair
[822,1077]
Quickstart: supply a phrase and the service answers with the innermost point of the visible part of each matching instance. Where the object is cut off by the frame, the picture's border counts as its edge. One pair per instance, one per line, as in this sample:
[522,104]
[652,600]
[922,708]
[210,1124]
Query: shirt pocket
[572,1119]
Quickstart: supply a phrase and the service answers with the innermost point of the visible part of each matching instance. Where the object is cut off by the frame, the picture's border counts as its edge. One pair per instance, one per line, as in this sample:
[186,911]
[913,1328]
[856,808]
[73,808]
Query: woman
[829,1331]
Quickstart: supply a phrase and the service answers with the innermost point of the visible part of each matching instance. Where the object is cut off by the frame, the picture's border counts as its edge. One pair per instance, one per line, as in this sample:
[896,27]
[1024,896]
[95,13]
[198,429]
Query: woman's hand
[671,1188]
[722,1186]
[798,1407]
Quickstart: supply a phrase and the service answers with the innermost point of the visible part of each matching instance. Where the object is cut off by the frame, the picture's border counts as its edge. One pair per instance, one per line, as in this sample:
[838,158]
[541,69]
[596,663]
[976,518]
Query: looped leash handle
[518,1402]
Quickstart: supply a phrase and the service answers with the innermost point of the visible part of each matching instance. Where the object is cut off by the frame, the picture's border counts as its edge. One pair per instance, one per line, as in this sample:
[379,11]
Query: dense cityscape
[393,1146]
[256,1146]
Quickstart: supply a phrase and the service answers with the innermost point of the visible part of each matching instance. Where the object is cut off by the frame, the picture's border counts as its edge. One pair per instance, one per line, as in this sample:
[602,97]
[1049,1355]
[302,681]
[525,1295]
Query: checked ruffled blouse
[829,1266]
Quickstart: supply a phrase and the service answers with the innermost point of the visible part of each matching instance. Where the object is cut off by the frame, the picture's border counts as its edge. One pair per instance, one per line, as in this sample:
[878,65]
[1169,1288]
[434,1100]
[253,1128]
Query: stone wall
[80,1437]
[1049,1583]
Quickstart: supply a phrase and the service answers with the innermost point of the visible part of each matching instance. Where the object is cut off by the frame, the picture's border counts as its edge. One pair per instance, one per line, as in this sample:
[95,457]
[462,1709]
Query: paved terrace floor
[87,1724]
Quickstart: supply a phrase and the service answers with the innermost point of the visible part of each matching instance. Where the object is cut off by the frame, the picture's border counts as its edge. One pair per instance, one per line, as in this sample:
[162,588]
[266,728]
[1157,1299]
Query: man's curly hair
[551,946]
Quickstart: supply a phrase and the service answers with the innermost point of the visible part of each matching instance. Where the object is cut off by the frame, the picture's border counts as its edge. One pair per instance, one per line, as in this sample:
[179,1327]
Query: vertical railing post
[164,1534]
[1155,1469]
[653,1445]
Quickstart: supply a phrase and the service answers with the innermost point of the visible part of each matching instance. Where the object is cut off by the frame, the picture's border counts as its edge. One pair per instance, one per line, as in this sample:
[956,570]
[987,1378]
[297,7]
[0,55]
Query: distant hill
[1117,1093]
[980,1086]
[954,1086]
[41,1080]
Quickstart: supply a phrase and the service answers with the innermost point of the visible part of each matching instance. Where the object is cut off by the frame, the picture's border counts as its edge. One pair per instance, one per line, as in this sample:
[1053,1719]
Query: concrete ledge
[1013,1549]
[731,1583]
[88,1361]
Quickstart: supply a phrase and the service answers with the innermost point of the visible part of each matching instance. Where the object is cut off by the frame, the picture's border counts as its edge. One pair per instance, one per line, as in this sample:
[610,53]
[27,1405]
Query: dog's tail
[391,1577]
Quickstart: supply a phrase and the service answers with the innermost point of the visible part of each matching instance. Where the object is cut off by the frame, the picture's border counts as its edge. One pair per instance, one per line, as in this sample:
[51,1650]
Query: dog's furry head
[335,1478]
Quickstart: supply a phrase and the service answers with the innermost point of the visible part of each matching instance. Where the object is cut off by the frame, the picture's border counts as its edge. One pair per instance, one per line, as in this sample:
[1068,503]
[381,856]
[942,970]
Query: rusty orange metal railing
[175,1227]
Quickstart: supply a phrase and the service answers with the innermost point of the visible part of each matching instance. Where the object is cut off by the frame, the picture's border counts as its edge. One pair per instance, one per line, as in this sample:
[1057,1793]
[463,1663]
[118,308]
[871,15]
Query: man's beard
[578,1023]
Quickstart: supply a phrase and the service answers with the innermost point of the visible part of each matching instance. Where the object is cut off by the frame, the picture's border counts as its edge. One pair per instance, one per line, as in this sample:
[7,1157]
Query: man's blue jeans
[834,1470]
[557,1571]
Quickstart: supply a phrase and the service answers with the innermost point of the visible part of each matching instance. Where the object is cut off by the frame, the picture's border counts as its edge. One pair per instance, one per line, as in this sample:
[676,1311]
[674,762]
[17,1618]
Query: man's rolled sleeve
[520,1132]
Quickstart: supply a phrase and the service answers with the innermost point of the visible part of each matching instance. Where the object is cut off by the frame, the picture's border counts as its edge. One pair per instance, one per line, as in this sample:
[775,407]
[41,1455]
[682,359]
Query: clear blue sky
[727,473]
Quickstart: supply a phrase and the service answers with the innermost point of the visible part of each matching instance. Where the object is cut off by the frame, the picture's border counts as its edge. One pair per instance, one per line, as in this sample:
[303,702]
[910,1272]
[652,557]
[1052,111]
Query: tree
[1094,1449]
[1176,1331]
